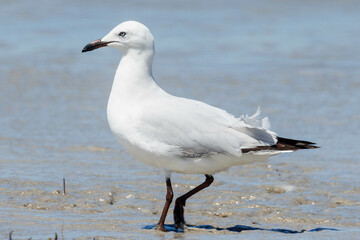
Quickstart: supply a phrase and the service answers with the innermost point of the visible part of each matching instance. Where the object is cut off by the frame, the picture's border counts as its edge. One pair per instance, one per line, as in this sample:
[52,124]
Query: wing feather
[190,128]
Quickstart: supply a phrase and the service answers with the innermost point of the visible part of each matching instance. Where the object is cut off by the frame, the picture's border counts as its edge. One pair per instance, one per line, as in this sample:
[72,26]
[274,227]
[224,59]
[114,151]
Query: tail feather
[283,144]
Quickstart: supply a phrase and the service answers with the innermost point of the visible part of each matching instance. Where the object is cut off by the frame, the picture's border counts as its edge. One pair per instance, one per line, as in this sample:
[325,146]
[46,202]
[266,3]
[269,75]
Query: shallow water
[299,62]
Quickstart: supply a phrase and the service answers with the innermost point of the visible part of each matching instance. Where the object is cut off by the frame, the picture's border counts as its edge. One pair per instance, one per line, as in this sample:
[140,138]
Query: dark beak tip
[94,45]
[88,47]
[85,49]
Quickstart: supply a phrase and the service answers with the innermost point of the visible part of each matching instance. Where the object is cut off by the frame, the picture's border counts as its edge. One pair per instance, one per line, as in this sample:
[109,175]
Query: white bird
[177,134]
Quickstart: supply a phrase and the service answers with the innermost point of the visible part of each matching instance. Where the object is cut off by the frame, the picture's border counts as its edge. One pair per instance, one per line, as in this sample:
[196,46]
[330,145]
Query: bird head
[127,35]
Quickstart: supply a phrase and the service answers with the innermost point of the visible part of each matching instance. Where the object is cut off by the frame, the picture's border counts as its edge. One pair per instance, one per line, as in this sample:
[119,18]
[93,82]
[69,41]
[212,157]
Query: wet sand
[299,62]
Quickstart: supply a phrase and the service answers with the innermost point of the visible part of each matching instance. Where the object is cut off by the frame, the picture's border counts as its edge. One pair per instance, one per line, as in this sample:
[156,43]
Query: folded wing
[193,129]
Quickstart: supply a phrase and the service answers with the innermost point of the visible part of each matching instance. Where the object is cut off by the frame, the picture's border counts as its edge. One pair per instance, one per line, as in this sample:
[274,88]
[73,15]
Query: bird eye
[122,34]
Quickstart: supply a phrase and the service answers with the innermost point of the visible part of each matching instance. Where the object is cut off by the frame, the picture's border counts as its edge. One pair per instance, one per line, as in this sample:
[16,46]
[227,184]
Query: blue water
[299,61]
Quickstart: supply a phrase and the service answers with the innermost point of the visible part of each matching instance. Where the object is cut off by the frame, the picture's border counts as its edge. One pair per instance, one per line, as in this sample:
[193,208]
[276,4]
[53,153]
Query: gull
[174,134]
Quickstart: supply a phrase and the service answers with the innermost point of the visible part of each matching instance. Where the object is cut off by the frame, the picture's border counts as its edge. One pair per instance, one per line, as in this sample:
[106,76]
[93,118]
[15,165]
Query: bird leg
[169,197]
[180,202]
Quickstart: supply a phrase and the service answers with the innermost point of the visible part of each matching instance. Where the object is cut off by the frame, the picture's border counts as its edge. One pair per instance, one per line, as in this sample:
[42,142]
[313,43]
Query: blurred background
[298,60]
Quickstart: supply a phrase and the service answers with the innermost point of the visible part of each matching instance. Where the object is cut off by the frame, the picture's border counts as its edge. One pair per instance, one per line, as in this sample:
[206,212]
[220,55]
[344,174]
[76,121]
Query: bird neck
[133,76]
[137,61]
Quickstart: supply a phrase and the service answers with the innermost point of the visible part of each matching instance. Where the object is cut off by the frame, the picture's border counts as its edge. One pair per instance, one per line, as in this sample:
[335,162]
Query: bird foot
[160,227]
[180,225]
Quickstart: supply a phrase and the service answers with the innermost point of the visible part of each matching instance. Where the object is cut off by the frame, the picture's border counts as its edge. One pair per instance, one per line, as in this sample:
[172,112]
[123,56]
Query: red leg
[169,197]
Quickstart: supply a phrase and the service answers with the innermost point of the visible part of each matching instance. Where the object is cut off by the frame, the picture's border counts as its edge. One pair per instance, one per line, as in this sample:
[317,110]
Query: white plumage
[177,134]
[172,133]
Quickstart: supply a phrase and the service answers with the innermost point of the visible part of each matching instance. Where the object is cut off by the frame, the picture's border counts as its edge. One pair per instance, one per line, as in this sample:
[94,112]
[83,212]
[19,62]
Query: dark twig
[64,186]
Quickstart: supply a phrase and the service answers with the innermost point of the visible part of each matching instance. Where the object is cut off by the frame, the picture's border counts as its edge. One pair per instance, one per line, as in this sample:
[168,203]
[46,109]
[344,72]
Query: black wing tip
[283,145]
[301,144]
